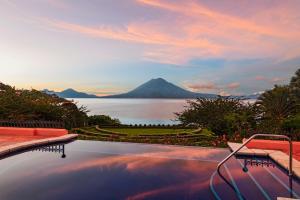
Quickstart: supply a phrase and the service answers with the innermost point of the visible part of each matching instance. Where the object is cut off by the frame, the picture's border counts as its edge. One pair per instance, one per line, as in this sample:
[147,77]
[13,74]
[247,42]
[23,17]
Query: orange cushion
[275,145]
[49,132]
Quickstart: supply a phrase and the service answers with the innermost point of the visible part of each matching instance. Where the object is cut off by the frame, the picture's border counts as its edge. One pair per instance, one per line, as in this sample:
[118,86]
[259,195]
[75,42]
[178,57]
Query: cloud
[165,46]
[260,78]
[277,80]
[199,31]
[202,86]
[233,85]
[260,33]
[221,89]
[246,37]
[197,10]
[271,80]
[223,93]
[198,86]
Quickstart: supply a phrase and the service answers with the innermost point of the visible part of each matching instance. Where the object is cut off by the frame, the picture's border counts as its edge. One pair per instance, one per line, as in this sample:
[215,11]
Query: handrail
[262,135]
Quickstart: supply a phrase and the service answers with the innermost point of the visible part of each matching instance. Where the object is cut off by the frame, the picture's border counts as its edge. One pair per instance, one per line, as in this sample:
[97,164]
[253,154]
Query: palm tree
[276,105]
[295,88]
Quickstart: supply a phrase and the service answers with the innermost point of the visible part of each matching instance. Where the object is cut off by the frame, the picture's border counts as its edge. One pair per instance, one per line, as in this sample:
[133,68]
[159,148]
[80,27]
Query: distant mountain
[155,88]
[70,93]
[248,97]
[252,96]
[160,88]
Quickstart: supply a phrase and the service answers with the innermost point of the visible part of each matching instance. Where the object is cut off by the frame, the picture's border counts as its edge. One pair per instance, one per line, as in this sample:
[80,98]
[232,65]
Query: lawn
[167,135]
[149,131]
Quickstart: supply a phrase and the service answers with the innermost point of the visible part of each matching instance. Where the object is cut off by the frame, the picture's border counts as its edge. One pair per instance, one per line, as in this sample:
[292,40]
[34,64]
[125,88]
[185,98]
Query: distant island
[154,88]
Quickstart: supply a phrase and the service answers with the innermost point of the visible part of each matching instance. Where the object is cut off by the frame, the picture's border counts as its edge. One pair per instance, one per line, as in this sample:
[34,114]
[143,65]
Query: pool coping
[158,144]
[9,149]
[279,157]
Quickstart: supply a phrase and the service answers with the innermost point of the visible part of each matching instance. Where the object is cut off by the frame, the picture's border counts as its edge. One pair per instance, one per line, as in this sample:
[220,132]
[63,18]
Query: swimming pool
[108,170]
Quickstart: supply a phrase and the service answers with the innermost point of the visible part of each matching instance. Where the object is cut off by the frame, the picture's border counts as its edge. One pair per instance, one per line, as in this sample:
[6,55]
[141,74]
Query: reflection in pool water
[99,170]
[105,170]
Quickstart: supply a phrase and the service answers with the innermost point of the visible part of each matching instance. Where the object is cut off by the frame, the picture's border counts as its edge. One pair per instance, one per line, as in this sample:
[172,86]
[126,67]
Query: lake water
[136,111]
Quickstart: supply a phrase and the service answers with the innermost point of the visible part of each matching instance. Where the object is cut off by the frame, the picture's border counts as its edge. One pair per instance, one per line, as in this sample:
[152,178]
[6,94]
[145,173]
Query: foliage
[35,105]
[275,106]
[221,115]
[276,111]
[102,120]
[292,125]
[295,89]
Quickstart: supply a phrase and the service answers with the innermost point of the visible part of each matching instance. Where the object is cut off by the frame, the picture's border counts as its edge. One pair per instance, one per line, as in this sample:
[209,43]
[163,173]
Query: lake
[136,111]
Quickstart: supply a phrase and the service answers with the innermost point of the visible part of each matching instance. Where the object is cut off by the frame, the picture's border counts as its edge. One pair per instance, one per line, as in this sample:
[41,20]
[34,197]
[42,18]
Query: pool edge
[13,148]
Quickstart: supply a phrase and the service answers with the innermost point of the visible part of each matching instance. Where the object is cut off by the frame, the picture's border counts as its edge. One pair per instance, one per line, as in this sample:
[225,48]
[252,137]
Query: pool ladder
[262,135]
[290,170]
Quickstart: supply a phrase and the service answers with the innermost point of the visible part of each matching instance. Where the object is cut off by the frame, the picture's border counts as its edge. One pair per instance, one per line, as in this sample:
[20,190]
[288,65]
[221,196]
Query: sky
[111,46]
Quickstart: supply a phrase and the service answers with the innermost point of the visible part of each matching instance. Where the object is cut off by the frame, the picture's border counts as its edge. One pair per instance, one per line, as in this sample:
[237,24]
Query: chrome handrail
[262,135]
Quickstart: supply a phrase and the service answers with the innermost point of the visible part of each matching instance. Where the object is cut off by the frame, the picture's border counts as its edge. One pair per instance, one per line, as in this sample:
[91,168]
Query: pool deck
[11,147]
[278,155]
[18,139]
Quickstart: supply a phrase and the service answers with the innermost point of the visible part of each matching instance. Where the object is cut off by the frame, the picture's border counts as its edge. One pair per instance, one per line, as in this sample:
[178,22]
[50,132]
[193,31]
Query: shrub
[103,120]
[221,115]
[35,105]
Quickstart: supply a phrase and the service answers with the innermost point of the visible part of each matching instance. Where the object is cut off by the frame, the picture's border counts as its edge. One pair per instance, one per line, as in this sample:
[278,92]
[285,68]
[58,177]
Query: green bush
[32,104]
[221,115]
[102,120]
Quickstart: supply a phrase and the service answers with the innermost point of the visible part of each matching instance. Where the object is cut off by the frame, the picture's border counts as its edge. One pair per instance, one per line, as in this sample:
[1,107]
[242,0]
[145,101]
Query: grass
[178,136]
[149,131]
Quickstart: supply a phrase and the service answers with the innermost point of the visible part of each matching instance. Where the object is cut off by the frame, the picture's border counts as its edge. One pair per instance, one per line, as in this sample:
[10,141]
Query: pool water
[106,170]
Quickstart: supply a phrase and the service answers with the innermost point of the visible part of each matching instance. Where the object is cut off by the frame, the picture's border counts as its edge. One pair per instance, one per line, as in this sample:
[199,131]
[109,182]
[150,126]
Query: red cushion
[49,132]
[275,145]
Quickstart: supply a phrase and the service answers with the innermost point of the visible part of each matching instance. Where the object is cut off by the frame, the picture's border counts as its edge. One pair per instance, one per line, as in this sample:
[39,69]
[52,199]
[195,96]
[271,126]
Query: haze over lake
[135,111]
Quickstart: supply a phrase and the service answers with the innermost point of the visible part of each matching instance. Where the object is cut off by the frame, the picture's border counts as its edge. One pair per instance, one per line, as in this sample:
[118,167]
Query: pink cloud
[202,86]
[272,80]
[276,80]
[167,47]
[235,32]
[210,86]
[199,31]
[224,93]
[260,78]
[234,85]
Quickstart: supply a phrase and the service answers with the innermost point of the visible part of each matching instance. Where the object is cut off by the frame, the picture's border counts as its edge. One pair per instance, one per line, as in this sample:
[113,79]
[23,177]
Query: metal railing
[261,135]
[32,124]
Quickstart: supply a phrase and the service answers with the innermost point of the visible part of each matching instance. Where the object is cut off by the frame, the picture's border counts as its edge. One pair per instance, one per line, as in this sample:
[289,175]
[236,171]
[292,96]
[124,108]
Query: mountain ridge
[160,88]
[154,88]
[70,93]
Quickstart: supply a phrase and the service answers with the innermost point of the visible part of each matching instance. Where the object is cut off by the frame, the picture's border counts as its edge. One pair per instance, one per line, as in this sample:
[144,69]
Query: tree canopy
[102,120]
[221,115]
[35,105]
[276,111]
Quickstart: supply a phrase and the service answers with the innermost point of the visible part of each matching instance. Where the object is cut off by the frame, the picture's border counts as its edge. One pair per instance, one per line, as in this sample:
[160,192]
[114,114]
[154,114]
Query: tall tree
[275,105]
[35,105]
[295,88]
[221,115]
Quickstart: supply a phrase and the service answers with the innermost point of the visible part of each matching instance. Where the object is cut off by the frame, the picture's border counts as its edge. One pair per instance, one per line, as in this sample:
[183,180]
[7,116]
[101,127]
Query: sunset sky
[111,46]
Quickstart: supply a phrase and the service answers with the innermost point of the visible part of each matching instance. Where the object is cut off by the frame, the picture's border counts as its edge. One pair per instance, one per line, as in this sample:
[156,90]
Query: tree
[35,105]
[295,81]
[221,115]
[275,106]
[295,88]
